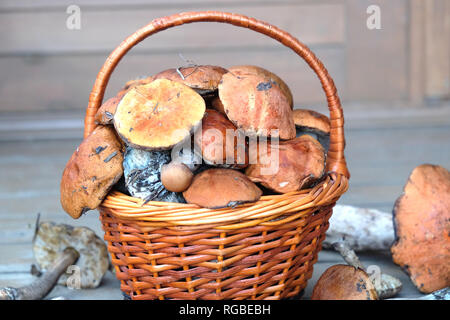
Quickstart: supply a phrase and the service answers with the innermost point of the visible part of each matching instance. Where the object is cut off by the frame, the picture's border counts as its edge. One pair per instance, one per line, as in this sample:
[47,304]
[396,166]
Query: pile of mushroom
[204,135]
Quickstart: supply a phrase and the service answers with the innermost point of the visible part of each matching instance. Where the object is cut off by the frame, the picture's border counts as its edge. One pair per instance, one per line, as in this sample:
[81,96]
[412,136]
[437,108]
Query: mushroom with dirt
[203,78]
[288,165]
[158,115]
[91,172]
[422,228]
[257,105]
[105,114]
[218,188]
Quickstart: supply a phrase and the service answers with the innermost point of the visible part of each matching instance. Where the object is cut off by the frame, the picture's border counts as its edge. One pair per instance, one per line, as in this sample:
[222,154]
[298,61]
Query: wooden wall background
[46,67]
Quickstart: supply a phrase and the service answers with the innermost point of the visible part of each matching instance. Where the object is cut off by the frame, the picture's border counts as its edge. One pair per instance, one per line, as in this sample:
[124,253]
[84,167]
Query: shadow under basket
[260,250]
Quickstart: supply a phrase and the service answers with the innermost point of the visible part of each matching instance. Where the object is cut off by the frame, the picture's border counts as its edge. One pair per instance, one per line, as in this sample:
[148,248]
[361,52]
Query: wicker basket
[262,250]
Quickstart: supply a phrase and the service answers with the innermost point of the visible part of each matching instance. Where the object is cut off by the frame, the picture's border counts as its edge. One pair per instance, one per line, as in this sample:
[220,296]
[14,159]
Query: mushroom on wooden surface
[276,80]
[142,171]
[158,115]
[386,286]
[203,79]
[287,166]
[257,105]
[217,188]
[220,143]
[422,228]
[313,123]
[344,282]
[91,172]
[105,114]
[51,239]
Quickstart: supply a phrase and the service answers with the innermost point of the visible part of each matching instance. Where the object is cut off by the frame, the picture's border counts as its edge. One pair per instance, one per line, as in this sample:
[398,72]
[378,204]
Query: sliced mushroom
[51,239]
[287,166]
[142,175]
[176,176]
[217,188]
[248,69]
[257,105]
[344,282]
[220,143]
[203,79]
[92,170]
[158,115]
[105,113]
[422,228]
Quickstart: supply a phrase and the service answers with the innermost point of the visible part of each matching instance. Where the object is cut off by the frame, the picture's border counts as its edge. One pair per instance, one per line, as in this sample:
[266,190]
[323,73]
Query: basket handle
[335,158]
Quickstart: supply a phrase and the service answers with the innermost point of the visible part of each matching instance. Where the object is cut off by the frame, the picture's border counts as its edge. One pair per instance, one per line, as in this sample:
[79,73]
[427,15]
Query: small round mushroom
[343,282]
[248,69]
[51,239]
[220,143]
[287,166]
[91,172]
[314,124]
[257,105]
[422,228]
[203,79]
[105,113]
[176,177]
[158,115]
[218,188]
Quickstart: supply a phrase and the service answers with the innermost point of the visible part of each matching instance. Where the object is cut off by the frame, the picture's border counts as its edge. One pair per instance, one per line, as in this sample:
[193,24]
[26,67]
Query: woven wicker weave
[262,250]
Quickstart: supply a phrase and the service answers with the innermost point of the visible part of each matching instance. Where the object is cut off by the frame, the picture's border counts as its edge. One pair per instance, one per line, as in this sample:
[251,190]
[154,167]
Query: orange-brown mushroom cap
[249,69]
[92,170]
[219,141]
[202,78]
[312,120]
[105,114]
[216,188]
[344,282]
[287,166]
[158,115]
[256,105]
[422,227]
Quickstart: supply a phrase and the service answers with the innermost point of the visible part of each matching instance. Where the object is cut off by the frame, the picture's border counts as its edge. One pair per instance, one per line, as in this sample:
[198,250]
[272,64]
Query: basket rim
[283,207]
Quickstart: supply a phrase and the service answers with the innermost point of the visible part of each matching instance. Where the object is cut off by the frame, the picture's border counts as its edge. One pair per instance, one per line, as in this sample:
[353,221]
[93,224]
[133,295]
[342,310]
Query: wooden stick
[42,286]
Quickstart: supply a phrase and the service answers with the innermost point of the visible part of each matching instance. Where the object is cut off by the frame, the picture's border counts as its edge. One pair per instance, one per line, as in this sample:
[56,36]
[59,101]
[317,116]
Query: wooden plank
[101,32]
[437,49]
[64,82]
[416,52]
[376,59]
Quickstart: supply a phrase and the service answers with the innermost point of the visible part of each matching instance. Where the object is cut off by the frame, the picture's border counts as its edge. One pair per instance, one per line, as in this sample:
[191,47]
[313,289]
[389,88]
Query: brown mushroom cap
[219,141]
[301,162]
[202,78]
[105,114]
[312,120]
[344,282]
[92,170]
[422,228]
[248,69]
[176,176]
[217,105]
[216,188]
[256,105]
[158,115]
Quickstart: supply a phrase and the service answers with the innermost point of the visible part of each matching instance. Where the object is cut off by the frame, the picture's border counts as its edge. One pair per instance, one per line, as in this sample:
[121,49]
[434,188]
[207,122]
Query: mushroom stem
[42,286]
[386,286]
